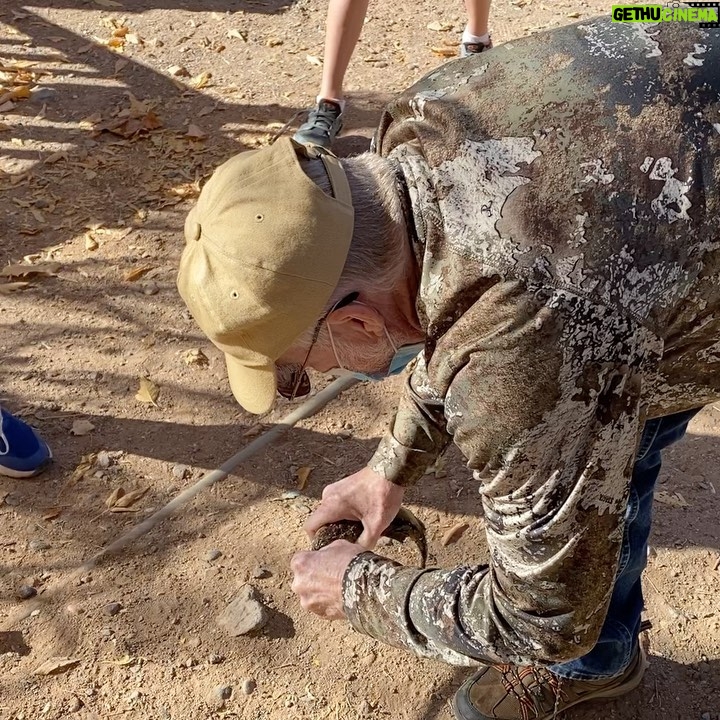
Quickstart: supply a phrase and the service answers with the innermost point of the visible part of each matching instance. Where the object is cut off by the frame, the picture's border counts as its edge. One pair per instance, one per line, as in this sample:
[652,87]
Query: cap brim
[253,387]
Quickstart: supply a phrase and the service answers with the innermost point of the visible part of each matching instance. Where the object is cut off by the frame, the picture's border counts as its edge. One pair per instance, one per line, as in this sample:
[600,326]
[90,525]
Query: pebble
[215,659]
[103,459]
[244,614]
[248,686]
[261,572]
[218,695]
[25,592]
[75,705]
[12,500]
[43,94]
[706,716]
[74,609]
[180,471]
[38,545]
[212,555]
[112,608]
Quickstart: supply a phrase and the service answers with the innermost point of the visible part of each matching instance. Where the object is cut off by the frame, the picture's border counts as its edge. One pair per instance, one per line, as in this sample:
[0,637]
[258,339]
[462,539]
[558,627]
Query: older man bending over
[544,220]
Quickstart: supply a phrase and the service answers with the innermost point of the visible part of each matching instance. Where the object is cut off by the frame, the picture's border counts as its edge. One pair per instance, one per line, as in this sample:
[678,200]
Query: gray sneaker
[474,48]
[323,124]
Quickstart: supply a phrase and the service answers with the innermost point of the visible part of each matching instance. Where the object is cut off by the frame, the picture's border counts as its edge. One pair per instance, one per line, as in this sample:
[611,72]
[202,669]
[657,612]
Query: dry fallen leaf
[200,81]
[673,499]
[314,60]
[26,271]
[178,71]
[128,499]
[302,476]
[52,513]
[114,496]
[86,464]
[7,288]
[446,52]
[453,534]
[19,93]
[196,357]
[254,430]
[148,392]
[57,665]
[195,132]
[239,34]
[90,242]
[137,273]
[438,26]
[81,427]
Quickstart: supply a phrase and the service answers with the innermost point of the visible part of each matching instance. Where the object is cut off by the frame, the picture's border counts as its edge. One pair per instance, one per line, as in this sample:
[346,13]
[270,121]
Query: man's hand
[318,578]
[364,496]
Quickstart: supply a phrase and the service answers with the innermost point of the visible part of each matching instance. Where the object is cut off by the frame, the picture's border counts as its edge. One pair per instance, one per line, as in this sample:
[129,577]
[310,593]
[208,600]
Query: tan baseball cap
[265,250]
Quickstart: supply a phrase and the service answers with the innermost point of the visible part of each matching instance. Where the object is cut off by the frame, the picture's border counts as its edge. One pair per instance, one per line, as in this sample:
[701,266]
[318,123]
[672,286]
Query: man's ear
[356,322]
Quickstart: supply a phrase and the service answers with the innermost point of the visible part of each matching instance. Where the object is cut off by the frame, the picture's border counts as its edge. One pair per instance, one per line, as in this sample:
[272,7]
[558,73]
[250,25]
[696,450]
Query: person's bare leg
[478,12]
[344,24]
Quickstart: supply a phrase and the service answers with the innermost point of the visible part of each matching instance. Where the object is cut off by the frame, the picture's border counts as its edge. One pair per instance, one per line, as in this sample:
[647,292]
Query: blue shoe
[23,453]
[323,124]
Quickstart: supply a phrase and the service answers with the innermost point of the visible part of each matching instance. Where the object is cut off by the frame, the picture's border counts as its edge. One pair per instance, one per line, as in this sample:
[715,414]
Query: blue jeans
[618,640]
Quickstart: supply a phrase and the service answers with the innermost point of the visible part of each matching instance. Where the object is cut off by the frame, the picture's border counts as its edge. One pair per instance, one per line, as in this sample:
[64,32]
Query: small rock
[218,695]
[368,659]
[35,613]
[261,572]
[43,94]
[150,288]
[248,686]
[103,460]
[74,609]
[38,545]
[180,471]
[75,705]
[212,555]
[215,659]
[112,608]
[706,716]
[244,614]
[25,592]
[190,662]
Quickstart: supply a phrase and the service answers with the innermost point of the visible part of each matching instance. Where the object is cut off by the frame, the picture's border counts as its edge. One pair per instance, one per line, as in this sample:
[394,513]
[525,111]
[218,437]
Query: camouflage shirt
[564,193]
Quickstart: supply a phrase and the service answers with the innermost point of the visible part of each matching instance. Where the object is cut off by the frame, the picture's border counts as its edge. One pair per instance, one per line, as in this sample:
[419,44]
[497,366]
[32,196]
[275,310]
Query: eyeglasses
[293,380]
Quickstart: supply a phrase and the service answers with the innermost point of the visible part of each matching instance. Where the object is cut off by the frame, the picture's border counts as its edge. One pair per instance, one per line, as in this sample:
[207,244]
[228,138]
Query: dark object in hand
[403,526]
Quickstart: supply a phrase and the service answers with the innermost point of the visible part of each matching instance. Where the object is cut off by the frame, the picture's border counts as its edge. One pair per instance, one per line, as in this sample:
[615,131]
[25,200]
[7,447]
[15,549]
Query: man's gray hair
[375,261]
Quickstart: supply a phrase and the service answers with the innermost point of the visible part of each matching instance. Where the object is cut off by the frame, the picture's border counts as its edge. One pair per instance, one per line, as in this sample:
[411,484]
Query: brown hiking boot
[509,692]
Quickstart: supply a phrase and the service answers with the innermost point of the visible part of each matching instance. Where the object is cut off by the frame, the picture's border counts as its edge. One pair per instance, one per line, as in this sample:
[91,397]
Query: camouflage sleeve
[545,406]
[417,435]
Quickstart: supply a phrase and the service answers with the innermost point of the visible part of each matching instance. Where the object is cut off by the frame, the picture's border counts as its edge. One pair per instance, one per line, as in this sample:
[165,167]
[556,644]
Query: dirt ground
[111,112]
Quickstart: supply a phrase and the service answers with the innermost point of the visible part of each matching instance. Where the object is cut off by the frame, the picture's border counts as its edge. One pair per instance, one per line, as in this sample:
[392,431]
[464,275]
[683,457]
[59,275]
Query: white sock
[341,103]
[468,37]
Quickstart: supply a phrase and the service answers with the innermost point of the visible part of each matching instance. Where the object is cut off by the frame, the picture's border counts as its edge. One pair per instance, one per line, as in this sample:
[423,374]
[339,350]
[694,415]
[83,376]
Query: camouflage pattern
[564,190]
